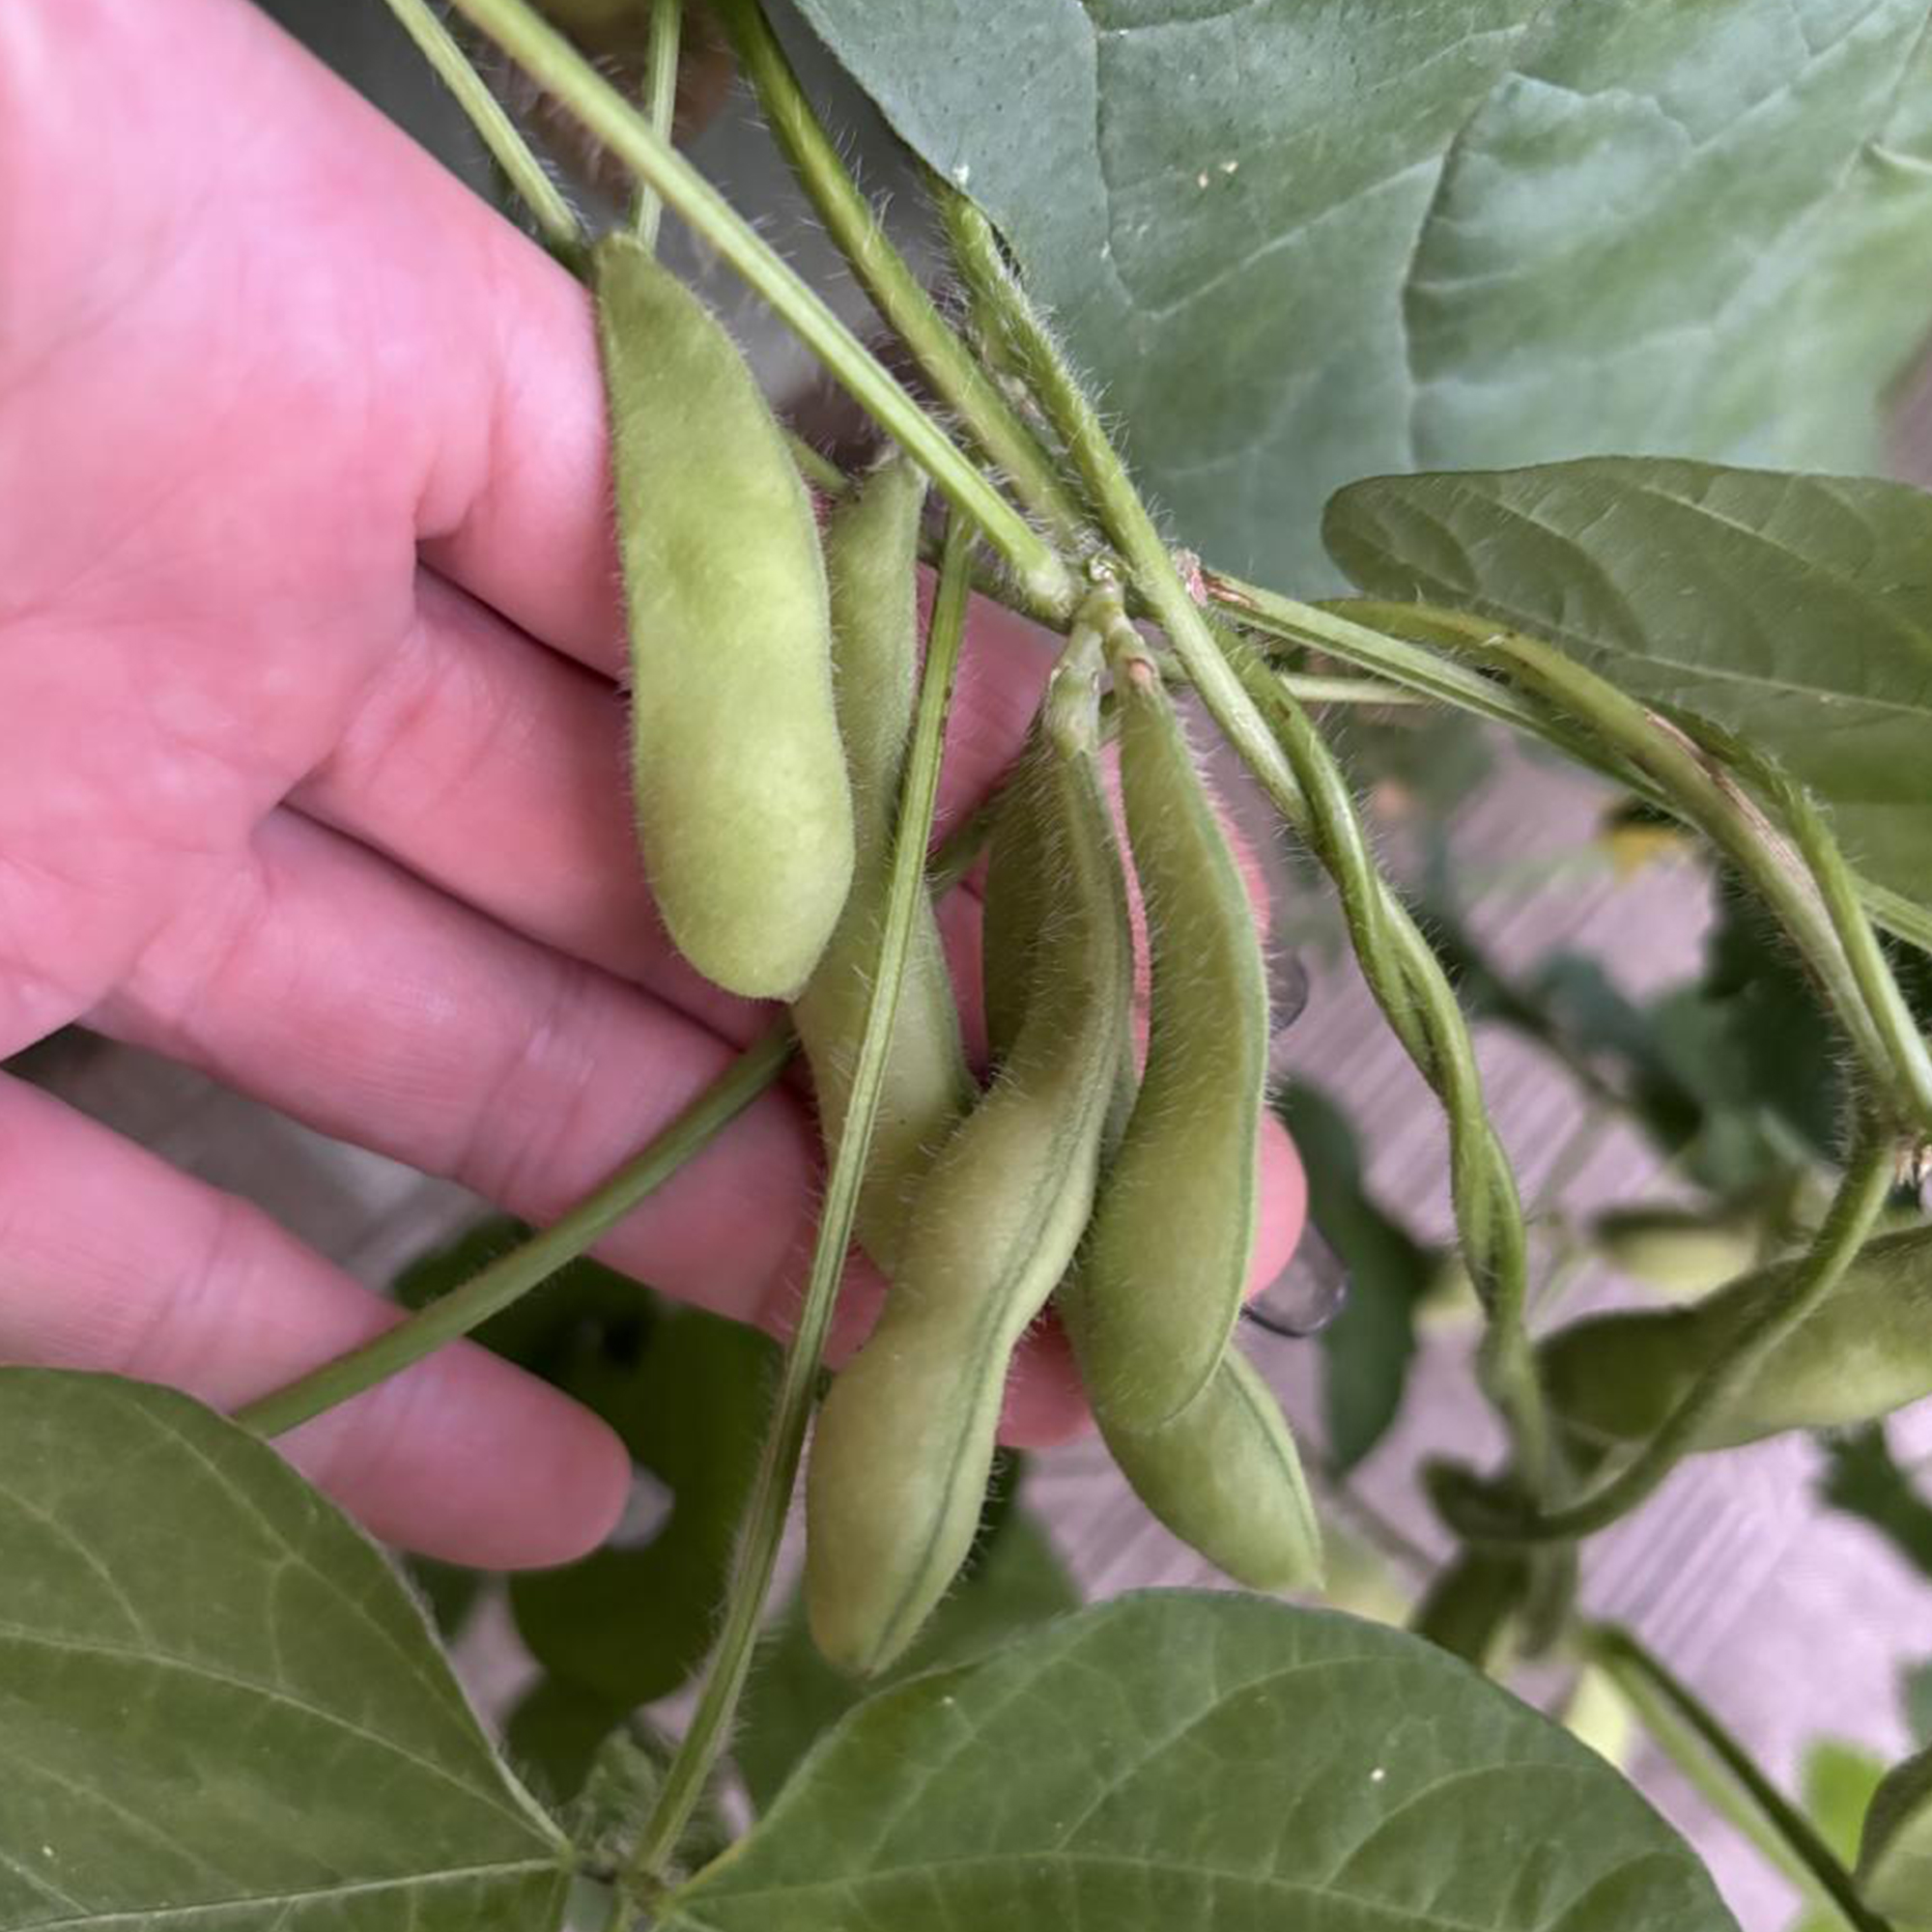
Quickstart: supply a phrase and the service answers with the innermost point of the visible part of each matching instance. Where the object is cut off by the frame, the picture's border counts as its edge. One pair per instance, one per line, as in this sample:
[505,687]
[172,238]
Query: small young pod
[1166,1261]
[744,815]
[871,552]
[1865,1352]
[1225,1477]
[905,1440]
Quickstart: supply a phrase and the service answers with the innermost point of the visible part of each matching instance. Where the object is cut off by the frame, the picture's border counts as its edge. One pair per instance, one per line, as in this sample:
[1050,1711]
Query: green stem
[1717,810]
[666,29]
[499,133]
[1853,1212]
[697,1751]
[883,272]
[555,66]
[1308,689]
[1646,1682]
[1906,1061]
[495,1288]
[1388,639]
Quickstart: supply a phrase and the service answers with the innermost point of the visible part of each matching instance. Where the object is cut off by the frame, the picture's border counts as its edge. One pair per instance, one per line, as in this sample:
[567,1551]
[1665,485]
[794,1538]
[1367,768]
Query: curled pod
[871,555]
[904,1443]
[1166,1262]
[1868,1351]
[744,812]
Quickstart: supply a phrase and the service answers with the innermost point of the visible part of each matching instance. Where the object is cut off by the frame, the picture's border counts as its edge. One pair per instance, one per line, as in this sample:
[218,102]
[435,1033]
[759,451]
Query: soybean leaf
[630,1622]
[1208,1760]
[1895,1857]
[219,1707]
[1015,1583]
[1863,1479]
[1795,610]
[1297,244]
[1367,1349]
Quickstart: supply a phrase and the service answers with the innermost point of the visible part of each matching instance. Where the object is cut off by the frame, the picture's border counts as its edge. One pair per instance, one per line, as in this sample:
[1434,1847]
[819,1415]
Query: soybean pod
[1867,1351]
[905,1441]
[1224,1475]
[1166,1264]
[744,815]
[871,553]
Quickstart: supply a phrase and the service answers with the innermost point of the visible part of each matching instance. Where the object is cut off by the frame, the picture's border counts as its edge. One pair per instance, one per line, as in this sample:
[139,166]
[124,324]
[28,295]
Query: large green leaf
[1298,242]
[219,1707]
[1895,1859]
[1213,1761]
[1797,610]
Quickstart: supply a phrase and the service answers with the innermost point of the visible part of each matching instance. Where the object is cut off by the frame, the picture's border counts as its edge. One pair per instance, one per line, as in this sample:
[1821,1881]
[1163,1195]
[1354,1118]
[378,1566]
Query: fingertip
[1045,1404]
[1282,1195]
[468,1459]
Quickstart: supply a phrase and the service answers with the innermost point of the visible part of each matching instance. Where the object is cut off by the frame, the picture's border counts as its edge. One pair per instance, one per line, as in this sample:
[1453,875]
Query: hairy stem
[699,1750]
[554,65]
[555,221]
[505,1280]
[666,30]
[1394,640]
[883,272]
[1647,1683]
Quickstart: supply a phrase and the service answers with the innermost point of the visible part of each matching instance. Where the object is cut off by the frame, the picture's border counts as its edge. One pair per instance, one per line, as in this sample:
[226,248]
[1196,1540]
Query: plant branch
[554,65]
[1725,817]
[500,134]
[1899,1040]
[1646,1682]
[1389,639]
[883,272]
[666,30]
[1848,1223]
[699,1750]
[505,1280]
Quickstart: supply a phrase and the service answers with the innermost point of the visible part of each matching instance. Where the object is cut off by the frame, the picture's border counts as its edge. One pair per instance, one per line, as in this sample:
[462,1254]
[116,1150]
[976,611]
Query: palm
[309,753]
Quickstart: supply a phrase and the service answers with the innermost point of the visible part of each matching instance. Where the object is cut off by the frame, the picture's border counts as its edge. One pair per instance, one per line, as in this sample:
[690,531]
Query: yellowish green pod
[1868,1351]
[744,815]
[1225,1477]
[1678,1253]
[1166,1262]
[871,553]
[905,1440]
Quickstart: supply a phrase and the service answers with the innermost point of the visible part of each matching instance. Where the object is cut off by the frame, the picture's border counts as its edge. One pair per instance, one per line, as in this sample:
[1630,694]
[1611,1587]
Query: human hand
[311,760]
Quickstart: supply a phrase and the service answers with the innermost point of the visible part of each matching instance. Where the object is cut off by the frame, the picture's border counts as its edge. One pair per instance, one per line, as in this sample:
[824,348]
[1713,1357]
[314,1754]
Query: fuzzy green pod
[744,813]
[1225,1478]
[1166,1263]
[871,552]
[905,1441]
[1675,1251]
[1865,1352]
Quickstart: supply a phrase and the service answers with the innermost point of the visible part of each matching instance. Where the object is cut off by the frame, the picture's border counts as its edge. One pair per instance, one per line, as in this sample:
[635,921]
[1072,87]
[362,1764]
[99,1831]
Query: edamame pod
[905,1440]
[1225,1477]
[1867,1352]
[871,552]
[1166,1263]
[744,815]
